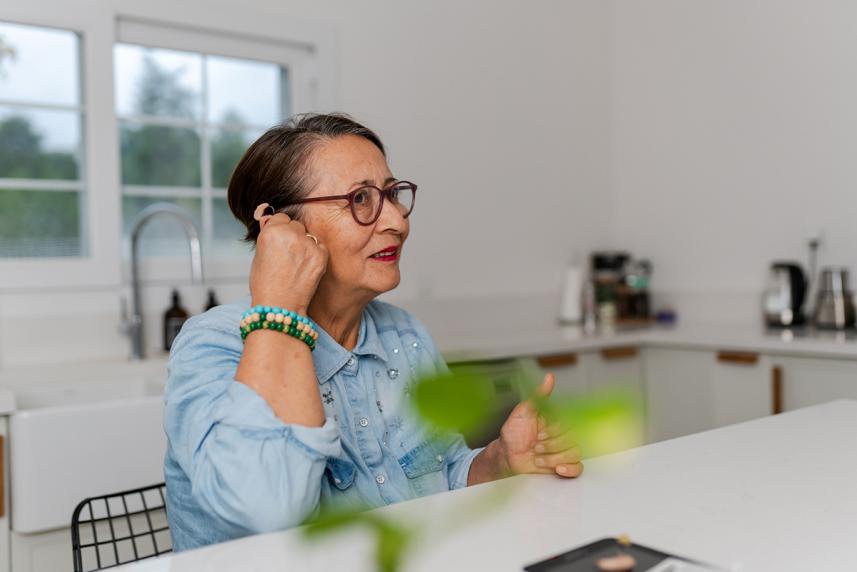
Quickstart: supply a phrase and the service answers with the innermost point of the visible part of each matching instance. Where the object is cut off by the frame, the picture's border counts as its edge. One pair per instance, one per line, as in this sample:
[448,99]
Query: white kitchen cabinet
[688,391]
[5,549]
[584,372]
[569,372]
[810,381]
[741,387]
[46,551]
[590,372]
[677,392]
[618,367]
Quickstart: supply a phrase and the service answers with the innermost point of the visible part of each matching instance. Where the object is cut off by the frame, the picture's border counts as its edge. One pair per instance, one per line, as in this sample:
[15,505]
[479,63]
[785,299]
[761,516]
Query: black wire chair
[115,529]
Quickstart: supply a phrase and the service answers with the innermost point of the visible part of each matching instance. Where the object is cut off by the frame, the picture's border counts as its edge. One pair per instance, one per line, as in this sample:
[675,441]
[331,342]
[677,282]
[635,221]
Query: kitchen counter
[505,327]
[515,326]
[468,339]
[772,494]
[7,401]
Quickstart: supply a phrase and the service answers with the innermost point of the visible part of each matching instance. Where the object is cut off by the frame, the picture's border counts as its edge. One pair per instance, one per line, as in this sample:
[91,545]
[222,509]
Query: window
[185,118]
[77,153]
[42,179]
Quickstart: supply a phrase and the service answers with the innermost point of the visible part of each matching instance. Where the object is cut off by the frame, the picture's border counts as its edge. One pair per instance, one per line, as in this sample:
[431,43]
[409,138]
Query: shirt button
[363,422]
[337,480]
[440,458]
[393,373]
[416,345]
[395,350]
[351,360]
[380,479]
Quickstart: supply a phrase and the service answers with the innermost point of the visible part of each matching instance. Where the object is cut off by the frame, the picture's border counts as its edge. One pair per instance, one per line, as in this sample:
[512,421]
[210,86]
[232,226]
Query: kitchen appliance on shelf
[782,301]
[834,308]
[621,288]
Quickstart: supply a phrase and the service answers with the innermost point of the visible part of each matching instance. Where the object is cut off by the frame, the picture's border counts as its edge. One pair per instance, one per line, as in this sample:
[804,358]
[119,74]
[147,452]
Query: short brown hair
[273,170]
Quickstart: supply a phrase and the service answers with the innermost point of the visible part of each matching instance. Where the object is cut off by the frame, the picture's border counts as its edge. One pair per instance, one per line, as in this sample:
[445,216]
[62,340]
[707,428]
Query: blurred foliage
[460,402]
[38,223]
[227,147]
[159,92]
[22,155]
[170,156]
[602,422]
[160,155]
[392,538]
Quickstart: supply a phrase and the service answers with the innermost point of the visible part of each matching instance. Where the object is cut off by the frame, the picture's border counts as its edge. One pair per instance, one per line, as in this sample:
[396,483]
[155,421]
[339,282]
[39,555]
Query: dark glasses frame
[385,194]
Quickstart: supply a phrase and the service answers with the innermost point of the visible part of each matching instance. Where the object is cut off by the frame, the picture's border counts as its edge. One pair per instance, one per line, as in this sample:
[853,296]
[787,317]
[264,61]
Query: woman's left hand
[528,445]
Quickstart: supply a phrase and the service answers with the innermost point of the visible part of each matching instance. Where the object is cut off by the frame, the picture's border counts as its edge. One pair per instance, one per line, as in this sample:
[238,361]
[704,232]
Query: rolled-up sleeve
[459,458]
[246,467]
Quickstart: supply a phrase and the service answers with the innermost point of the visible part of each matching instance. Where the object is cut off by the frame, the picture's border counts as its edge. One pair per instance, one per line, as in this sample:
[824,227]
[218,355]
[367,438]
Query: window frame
[99,265]
[106,263]
[297,57]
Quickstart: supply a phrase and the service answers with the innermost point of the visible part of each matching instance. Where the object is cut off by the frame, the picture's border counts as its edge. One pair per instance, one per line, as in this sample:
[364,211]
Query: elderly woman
[297,397]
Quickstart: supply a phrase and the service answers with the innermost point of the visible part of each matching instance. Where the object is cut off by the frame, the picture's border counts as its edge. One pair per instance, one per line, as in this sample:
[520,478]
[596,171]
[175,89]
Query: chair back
[118,528]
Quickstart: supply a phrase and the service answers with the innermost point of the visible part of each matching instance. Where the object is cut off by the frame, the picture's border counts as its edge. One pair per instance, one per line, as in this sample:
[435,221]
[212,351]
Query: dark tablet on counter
[585,558]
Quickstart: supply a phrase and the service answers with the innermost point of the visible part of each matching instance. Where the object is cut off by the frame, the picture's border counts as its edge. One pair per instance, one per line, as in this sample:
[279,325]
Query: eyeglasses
[367,201]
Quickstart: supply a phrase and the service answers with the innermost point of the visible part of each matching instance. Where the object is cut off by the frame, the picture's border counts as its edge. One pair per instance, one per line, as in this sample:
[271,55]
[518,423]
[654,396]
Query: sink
[82,431]
[65,394]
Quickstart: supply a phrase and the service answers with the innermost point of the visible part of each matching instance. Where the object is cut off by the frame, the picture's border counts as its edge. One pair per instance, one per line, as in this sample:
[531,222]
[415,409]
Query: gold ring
[313,237]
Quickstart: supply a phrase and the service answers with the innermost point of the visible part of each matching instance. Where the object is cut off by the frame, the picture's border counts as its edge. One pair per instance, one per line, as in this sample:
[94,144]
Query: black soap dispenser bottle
[174,317]
[212,301]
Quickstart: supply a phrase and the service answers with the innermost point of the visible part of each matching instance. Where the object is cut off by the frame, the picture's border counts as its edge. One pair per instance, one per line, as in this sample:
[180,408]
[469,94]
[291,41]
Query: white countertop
[7,401]
[776,493]
[493,328]
[496,328]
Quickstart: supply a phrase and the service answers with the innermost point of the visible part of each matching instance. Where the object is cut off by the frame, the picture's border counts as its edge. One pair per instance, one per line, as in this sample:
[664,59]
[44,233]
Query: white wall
[498,110]
[734,135]
[711,136]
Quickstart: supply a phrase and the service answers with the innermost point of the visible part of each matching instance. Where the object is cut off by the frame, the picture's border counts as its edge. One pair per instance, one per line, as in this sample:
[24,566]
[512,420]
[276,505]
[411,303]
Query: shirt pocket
[424,465]
[340,473]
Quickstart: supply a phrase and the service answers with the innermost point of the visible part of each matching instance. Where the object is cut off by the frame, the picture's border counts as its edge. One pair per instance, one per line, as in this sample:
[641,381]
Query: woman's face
[338,167]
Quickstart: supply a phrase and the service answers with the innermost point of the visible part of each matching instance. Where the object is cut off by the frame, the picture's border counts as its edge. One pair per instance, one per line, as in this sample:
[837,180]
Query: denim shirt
[233,468]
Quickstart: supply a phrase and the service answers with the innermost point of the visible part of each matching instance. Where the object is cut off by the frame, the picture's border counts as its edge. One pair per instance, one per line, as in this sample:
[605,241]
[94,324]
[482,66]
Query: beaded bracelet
[279,319]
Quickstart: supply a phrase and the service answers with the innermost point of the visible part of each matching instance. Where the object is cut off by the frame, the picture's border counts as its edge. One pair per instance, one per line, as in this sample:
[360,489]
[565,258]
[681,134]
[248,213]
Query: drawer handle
[742,358]
[776,390]
[559,360]
[625,352]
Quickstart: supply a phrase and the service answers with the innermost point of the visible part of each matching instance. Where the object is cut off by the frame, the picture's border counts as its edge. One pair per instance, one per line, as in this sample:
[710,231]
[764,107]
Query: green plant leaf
[455,402]
[603,422]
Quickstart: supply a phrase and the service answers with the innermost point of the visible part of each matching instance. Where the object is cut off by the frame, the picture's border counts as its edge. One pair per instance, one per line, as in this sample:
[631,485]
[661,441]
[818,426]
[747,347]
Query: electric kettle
[784,294]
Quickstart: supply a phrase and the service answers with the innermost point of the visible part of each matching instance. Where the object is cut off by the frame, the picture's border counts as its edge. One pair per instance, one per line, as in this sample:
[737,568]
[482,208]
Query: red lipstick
[389,254]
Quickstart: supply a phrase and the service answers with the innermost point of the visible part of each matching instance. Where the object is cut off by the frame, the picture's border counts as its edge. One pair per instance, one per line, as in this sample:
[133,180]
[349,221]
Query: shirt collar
[329,357]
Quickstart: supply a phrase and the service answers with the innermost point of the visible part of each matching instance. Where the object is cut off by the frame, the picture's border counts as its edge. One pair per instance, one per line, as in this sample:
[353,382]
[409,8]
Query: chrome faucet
[133,325]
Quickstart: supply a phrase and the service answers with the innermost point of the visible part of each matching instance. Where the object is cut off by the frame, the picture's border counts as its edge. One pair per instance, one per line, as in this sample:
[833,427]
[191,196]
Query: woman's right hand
[287,266]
